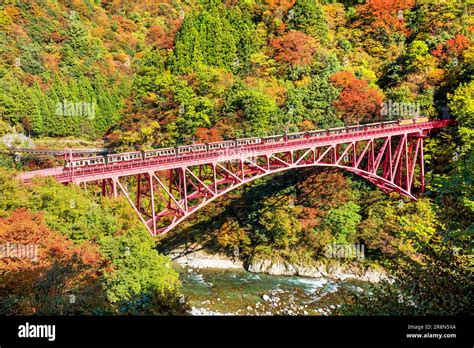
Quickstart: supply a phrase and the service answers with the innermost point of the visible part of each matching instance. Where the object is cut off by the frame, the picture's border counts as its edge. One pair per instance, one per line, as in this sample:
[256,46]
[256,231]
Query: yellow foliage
[231,234]
[306,80]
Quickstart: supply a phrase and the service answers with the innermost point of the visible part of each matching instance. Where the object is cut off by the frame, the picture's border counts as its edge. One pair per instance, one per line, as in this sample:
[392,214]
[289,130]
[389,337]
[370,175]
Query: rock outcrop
[317,269]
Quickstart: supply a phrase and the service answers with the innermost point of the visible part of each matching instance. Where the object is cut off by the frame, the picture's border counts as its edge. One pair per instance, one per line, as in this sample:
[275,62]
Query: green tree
[280,221]
[439,284]
[259,112]
[394,226]
[342,222]
[139,269]
[313,103]
[308,16]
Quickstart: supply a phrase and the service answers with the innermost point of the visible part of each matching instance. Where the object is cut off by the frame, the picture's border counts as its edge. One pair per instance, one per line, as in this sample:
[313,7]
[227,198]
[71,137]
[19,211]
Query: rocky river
[219,286]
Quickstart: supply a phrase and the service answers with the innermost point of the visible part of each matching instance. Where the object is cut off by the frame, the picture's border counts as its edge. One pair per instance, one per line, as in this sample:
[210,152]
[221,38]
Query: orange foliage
[41,249]
[12,12]
[57,37]
[357,101]
[51,61]
[163,38]
[281,5]
[294,48]
[23,227]
[30,80]
[321,191]
[206,135]
[306,125]
[125,24]
[159,37]
[384,14]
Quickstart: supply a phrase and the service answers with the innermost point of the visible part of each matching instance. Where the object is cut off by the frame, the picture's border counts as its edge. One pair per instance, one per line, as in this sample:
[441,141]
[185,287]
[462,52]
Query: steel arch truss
[164,198]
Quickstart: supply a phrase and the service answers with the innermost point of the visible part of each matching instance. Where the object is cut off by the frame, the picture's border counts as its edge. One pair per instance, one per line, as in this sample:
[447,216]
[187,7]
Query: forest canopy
[146,74]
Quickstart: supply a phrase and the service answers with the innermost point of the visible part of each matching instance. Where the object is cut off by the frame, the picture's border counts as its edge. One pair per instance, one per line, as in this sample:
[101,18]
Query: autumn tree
[294,48]
[205,135]
[393,226]
[159,37]
[384,18]
[280,5]
[452,48]
[44,281]
[357,100]
[279,219]
[440,283]
[319,193]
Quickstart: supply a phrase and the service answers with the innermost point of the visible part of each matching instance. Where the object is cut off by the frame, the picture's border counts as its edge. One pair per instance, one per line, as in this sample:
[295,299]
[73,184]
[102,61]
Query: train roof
[124,153]
[159,149]
[222,141]
[85,158]
[250,138]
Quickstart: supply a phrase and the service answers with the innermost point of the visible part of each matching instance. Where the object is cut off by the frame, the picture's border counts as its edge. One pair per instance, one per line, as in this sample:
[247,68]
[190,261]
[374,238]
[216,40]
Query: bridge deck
[97,172]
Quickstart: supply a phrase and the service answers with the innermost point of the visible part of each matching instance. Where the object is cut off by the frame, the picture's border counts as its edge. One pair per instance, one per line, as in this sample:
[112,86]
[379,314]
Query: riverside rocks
[317,269]
[201,259]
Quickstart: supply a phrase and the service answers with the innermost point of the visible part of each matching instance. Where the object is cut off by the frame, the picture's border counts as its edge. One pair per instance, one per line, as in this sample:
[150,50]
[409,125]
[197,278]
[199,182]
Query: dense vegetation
[161,73]
[93,257]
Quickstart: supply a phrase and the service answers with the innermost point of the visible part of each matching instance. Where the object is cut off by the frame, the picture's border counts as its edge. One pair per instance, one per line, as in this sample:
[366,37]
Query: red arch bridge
[166,190]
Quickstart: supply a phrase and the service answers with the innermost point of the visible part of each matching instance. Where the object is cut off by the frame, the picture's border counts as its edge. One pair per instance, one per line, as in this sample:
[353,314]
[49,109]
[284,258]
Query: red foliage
[452,48]
[384,14]
[159,37]
[33,249]
[321,191]
[294,48]
[206,135]
[357,101]
[162,38]
[125,24]
[57,37]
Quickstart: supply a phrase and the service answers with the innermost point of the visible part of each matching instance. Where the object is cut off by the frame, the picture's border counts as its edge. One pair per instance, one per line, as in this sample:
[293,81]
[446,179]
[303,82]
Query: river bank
[201,259]
[324,268]
[215,284]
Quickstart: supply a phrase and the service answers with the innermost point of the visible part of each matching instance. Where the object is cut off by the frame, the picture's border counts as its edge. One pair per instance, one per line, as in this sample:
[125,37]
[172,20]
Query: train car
[121,157]
[248,141]
[169,151]
[356,128]
[180,150]
[220,144]
[370,126]
[421,119]
[389,123]
[406,121]
[273,139]
[159,152]
[317,133]
[294,136]
[338,130]
[199,147]
[84,162]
